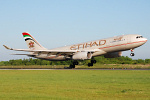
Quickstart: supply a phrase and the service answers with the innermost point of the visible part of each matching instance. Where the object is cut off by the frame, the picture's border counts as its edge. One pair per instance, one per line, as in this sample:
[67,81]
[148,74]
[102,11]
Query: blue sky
[55,23]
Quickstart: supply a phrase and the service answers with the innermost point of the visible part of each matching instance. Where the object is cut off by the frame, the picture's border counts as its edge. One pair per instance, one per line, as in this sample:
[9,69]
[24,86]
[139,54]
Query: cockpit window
[139,37]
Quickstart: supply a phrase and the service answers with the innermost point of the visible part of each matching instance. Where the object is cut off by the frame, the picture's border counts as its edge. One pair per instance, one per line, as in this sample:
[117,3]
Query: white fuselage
[103,46]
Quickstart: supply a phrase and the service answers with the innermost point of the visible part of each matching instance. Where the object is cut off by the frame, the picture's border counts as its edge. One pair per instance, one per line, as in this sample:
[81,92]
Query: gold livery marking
[118,39]
[90,44]
[31,44]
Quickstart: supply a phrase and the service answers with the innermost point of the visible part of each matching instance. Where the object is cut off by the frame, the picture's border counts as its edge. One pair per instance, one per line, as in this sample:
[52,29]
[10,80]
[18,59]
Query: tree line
[100,60]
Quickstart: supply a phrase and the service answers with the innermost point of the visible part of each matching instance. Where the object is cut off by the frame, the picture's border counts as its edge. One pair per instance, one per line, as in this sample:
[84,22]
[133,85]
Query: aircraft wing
[28,50]
[30,55]
[50,52]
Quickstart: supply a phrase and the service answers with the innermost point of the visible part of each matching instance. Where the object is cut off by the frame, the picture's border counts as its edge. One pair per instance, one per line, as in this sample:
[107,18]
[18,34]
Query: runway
[70,69]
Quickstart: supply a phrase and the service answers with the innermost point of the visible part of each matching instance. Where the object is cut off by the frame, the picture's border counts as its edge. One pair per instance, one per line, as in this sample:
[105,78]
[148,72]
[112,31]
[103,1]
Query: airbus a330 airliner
[110,48]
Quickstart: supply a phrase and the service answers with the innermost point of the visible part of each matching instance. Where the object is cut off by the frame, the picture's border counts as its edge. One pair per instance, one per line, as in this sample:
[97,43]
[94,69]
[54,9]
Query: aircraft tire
[132,54]
[75,63]
[72,66]
[93,61]
[90,64]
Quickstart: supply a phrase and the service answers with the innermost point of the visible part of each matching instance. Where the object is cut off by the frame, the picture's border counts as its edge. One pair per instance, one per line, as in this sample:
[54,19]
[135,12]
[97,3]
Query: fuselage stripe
[121,44]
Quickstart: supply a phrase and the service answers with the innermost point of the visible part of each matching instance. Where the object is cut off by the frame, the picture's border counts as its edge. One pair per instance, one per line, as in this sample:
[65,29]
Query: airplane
[109,47]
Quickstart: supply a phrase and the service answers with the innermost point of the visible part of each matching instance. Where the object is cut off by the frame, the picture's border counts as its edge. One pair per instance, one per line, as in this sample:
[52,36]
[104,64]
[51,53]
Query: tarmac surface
[70,69]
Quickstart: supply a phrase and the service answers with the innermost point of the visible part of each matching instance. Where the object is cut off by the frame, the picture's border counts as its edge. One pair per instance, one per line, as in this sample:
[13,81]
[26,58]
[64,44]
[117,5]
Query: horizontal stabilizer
[27,50]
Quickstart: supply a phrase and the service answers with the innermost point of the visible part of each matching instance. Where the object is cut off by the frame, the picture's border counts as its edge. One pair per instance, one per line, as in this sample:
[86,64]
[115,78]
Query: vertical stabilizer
[31,42]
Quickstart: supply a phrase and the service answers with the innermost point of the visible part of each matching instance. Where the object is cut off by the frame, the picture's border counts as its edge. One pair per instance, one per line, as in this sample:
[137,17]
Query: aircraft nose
[145,39]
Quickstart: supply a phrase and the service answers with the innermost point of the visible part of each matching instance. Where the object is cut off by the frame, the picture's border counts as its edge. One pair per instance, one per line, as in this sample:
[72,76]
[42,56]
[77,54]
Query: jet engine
[82,56]
[113,55]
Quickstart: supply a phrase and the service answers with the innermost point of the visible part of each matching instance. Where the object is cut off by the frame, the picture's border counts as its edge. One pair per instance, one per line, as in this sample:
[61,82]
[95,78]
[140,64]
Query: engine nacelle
[113,55]
[82,56]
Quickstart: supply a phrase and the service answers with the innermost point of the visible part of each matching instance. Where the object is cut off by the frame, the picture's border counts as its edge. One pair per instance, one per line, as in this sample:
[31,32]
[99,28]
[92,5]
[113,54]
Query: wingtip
[7,47]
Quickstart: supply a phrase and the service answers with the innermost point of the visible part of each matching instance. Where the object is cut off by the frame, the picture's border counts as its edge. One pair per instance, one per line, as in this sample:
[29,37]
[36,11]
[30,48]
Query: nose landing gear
[132,52]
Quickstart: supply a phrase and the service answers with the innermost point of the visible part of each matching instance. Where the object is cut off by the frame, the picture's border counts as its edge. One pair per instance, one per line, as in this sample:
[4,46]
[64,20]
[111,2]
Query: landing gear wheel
[93,61]
[72,66]
[75,63]
[132,54]
[90,64]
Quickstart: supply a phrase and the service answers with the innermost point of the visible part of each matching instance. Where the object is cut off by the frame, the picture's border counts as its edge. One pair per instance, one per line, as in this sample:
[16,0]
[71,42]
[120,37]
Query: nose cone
[145,39]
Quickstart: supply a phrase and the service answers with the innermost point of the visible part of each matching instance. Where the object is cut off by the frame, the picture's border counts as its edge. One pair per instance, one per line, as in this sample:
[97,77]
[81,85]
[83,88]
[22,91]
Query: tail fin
[31,42]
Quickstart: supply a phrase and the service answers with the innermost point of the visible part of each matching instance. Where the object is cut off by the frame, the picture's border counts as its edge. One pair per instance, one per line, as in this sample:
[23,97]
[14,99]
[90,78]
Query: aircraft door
[127,41]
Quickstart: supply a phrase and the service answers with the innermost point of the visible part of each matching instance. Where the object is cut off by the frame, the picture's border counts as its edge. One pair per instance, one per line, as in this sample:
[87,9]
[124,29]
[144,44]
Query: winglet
[7,47]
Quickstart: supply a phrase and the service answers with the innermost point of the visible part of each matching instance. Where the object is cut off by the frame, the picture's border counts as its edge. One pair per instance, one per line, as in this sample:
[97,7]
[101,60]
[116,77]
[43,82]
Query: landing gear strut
[132,52]
[92,62]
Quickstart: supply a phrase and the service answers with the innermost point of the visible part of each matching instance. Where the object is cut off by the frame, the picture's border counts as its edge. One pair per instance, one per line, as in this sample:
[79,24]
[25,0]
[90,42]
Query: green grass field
[74,84]
[103,66]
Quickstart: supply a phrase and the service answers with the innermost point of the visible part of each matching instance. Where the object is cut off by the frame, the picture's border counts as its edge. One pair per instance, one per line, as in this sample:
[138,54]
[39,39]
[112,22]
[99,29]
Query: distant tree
[147,61]
[99,59]
[2,63]
[140,61]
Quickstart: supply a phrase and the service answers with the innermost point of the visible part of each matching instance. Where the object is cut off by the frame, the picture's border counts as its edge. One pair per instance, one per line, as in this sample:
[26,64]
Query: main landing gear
[132,52]
[92,62]
[72,65]
[76,63]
